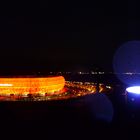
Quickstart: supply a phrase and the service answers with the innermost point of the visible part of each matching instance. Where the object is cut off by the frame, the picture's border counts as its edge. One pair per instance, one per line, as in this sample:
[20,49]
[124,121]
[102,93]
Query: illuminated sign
[6,85]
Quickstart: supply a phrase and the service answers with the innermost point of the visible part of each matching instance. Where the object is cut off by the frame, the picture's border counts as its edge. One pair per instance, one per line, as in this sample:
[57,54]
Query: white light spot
[6,85]
[133,99]
[134,89]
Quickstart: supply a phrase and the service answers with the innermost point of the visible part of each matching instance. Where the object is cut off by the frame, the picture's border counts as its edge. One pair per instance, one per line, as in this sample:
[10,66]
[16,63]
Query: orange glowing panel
[24,86]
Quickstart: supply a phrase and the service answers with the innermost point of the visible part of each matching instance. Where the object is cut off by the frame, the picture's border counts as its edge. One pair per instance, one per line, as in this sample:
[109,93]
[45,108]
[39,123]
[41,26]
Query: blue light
[133,89]
[126,60]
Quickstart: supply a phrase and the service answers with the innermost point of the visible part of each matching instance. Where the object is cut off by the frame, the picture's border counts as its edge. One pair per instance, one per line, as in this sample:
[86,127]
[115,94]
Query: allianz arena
[34,85]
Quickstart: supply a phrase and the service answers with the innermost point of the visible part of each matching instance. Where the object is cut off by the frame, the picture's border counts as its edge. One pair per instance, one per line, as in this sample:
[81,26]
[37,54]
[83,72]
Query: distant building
[31,85]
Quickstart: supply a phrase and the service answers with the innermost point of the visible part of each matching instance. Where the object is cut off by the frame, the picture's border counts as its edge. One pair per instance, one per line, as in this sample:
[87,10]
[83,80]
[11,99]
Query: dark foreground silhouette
[92,116]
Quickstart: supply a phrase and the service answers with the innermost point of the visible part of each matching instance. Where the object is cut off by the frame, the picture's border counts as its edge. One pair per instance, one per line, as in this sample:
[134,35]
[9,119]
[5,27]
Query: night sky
[65,36]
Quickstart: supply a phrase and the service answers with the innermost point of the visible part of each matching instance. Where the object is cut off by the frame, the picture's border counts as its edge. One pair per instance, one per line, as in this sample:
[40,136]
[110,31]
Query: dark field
[109,116]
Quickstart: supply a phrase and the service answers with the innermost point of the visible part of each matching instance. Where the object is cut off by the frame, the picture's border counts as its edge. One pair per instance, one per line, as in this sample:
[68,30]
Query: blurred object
[100,107]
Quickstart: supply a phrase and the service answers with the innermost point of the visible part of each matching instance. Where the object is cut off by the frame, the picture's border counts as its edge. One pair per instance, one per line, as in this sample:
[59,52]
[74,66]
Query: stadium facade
[33,85]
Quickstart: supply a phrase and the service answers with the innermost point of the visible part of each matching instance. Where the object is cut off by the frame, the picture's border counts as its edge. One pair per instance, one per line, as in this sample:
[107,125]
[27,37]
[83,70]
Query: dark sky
[65,35]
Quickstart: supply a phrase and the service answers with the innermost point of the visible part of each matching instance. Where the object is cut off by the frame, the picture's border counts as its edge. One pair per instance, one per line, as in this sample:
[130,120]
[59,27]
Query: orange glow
[24,86]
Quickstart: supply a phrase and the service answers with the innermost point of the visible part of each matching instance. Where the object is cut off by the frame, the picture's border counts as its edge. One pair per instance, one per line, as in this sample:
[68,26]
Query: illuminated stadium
[25,86]
[45,88]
